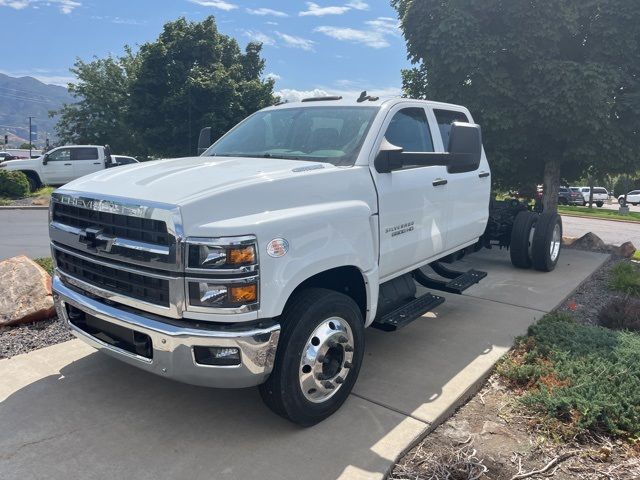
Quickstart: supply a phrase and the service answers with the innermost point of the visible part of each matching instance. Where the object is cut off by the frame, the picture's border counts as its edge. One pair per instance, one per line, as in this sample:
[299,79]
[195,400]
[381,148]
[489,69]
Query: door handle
[439,181]
[68,164]
[484,174]
[97,163]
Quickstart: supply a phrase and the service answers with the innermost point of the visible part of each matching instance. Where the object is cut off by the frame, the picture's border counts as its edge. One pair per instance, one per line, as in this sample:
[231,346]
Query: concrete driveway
[68,412]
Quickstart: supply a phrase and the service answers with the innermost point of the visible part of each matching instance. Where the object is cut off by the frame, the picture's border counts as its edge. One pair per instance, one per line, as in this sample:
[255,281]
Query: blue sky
[332,46]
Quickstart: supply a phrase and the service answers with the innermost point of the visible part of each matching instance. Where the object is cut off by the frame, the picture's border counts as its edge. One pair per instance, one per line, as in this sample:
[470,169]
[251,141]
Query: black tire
[520,237]
[34,181]
[622,202]
[541,254]
[599,204]
[282,392]
[563,201]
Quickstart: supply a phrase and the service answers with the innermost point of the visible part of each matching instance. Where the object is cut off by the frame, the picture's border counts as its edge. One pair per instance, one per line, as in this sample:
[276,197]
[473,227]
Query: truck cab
[262,261]
[62,164]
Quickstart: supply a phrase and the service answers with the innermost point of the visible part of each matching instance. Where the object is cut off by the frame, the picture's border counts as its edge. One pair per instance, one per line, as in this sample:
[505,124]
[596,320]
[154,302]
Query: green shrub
[585,377]
[13,184]
[46,263]
[626,278]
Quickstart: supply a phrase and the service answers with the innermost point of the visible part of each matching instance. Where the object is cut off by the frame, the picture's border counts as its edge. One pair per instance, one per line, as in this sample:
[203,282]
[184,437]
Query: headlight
[224,274]
[203,293]
[220,254]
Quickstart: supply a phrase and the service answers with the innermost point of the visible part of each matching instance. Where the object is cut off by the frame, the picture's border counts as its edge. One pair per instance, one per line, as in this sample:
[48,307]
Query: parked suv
[262,261]
[633,198]
[600,195]
[568,196]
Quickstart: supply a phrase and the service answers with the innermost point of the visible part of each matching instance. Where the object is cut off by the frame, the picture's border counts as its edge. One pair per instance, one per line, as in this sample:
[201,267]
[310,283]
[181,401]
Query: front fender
[320,237]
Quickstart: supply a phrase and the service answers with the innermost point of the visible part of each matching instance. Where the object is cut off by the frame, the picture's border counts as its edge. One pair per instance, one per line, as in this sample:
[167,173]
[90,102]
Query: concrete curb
[636,222]
[24,207]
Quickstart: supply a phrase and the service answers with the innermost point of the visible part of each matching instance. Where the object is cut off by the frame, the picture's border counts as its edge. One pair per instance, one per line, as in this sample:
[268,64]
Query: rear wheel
[318,358]
[34,181]
[547,242]
[622,202]
[599,204]
[521,237]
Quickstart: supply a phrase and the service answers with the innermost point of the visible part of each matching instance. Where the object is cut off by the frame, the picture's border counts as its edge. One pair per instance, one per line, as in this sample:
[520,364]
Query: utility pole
[30,137]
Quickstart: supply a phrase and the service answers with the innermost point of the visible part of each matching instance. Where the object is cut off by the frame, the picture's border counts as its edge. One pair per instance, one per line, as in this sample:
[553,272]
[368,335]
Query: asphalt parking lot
[68,412]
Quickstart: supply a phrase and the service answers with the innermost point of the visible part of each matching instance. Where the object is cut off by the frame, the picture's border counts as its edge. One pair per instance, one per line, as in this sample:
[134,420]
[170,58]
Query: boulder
[590,241]
[626,250]
[25,292]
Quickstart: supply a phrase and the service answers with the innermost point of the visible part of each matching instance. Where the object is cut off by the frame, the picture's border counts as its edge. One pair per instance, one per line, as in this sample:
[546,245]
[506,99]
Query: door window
[409,129]
[62,155]
[84,153]
[445,118]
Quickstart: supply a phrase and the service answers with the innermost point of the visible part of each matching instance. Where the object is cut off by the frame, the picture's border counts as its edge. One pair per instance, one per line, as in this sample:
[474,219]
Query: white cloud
[266,11]
[358,5]
[315,10]
[296,42]
[272,76]
[374,36]
[272,23]
[65,6]
[293,95]
[219,4]
[44,75]
[258,36]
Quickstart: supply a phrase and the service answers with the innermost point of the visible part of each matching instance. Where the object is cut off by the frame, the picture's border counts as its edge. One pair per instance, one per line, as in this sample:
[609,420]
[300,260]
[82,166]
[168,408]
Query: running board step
[407,313]
[457,285]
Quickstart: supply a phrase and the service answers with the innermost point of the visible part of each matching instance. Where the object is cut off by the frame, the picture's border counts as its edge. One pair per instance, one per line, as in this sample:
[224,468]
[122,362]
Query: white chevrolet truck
[262,261]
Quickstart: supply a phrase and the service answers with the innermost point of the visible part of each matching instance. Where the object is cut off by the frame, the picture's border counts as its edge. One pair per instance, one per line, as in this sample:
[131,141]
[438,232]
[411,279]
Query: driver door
[412,201]
[59,167]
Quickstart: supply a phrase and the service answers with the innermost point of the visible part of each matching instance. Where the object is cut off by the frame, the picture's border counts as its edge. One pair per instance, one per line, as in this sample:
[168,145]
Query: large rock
[590,241]
[25,292]
[626,250]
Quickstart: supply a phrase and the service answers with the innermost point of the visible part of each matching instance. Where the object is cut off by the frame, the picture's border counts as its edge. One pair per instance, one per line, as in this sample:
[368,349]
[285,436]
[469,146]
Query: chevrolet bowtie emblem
[95,240]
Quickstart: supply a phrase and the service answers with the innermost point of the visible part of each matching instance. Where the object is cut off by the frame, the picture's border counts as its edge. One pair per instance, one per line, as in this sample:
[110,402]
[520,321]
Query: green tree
[26,146]
[555,84]
[190,77]
[154,101]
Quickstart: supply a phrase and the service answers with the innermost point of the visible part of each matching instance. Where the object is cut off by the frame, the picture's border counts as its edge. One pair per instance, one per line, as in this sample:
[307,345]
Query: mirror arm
[426,159]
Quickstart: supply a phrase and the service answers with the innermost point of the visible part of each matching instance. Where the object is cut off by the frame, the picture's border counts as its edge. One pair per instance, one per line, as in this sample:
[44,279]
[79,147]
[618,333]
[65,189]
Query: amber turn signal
[241,255]
[243,293]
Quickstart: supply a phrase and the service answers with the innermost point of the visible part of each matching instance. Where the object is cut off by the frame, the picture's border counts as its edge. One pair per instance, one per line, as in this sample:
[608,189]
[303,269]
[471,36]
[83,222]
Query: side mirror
[45,159]
[204,140]
[389,157]
[465,147]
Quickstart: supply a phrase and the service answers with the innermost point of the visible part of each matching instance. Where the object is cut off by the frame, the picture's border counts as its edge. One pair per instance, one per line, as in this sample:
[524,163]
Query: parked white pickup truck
[262,261]
[62,165]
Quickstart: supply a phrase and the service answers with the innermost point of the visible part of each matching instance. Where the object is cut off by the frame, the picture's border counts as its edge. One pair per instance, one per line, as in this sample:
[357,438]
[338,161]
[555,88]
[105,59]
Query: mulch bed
[32,336]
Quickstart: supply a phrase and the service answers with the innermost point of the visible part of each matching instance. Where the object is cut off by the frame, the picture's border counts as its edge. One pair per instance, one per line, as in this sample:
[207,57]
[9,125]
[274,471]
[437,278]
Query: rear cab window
[445,118]
[84,153]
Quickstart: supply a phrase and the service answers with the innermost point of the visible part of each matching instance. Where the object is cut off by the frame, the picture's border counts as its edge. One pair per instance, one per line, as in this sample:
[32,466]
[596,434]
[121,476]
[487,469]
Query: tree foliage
[155,101]
[554,83]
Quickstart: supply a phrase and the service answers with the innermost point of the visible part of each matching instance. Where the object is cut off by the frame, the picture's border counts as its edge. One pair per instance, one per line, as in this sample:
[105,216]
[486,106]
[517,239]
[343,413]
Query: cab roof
[352,102]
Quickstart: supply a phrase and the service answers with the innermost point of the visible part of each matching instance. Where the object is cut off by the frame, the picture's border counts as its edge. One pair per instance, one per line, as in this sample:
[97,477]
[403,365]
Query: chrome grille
[134,285]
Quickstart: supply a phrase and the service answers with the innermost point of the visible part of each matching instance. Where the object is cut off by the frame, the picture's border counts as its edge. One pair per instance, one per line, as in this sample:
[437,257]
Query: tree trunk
[551,186]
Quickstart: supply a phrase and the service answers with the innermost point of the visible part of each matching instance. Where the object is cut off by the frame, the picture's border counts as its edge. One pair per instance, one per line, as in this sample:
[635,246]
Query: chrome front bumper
[173,345]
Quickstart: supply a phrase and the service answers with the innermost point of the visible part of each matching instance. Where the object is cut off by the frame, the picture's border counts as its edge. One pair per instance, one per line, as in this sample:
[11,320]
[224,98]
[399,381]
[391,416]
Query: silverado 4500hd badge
[400,229]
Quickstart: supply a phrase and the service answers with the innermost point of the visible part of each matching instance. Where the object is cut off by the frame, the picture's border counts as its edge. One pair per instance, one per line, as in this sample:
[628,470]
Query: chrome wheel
[556,241]
[326,359]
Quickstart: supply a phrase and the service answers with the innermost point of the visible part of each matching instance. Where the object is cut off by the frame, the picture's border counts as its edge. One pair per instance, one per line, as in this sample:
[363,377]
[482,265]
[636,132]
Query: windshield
[324,134]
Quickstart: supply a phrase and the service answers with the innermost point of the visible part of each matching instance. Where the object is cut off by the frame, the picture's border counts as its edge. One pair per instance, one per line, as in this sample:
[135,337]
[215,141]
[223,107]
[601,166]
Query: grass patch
[625,278]
[42,192]
[580,377]
[636,255]
[46,263]
[598,213]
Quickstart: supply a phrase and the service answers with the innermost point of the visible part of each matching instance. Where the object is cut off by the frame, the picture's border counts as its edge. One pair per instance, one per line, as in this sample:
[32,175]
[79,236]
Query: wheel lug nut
[320,358]
[342,339]
[339,380]
[328,385]
[331,343]
[347,365]
[348,348]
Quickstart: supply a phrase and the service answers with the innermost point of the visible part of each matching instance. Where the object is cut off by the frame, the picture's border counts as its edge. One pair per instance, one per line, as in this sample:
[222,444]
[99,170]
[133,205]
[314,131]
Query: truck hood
[181,181]
[21,163]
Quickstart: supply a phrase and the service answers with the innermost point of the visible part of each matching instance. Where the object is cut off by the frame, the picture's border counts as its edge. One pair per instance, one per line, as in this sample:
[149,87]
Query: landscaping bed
[39,198]
[600,213]
[563,404]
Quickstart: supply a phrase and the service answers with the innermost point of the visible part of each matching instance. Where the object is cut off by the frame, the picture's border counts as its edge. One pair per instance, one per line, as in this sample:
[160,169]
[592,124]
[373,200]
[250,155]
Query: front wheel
[622,202]
[547,242]
[318,358]
[599,204]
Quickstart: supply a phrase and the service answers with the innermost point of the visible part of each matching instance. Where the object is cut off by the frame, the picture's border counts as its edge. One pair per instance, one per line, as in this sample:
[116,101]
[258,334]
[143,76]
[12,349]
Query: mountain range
[21,97]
